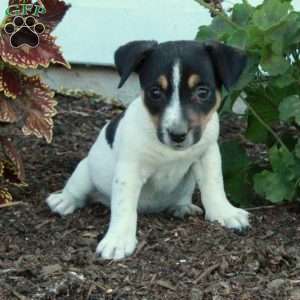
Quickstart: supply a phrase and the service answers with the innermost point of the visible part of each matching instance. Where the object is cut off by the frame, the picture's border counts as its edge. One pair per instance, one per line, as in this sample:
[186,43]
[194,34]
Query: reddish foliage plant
[26,103]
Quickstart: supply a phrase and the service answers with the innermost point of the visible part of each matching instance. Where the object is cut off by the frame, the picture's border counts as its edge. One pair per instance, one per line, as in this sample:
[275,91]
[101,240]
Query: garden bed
[44,256]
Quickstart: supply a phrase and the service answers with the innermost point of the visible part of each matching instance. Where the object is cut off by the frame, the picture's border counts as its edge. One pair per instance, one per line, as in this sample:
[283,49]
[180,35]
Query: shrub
[270,87]
[26,103]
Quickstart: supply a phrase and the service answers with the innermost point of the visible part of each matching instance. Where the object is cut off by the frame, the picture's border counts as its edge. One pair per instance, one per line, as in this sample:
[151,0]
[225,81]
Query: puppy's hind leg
[183,206]
[75,192]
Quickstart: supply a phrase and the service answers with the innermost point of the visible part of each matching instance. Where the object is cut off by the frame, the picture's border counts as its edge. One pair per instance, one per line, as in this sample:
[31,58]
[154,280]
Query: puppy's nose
[177,137]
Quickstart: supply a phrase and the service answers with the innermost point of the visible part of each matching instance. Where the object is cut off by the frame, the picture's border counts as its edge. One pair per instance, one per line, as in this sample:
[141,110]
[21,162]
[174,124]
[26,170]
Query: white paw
[180,211]
[116,246]
[61,203]
[230,217]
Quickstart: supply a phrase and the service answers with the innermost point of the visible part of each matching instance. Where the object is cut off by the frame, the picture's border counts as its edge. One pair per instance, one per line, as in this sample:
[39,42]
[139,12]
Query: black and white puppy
[150,158]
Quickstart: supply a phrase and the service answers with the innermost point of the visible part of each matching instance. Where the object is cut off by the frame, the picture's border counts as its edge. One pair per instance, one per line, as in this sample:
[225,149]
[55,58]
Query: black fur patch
[112,129]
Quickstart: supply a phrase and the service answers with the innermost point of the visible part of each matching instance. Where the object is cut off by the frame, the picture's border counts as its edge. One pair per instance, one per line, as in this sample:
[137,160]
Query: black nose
[177,137]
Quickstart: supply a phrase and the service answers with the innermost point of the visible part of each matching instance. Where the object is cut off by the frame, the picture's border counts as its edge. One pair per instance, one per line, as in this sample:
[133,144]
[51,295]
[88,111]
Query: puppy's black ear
[128,58]
[228,62]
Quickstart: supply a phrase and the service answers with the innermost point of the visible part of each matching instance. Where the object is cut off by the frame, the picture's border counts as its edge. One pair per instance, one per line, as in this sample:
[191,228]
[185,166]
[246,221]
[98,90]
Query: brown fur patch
[193,80]
[202,120]
[205,119]
[163,82]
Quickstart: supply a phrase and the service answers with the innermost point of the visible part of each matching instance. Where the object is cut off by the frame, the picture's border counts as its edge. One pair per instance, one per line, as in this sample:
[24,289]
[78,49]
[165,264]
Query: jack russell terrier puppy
[151,157]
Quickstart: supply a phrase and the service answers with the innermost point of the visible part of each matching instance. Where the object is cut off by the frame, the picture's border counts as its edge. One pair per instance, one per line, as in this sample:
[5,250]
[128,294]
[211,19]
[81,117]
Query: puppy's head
[181,82]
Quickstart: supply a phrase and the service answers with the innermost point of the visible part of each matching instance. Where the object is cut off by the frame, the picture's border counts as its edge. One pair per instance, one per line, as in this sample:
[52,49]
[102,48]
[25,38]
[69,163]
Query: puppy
[150,158]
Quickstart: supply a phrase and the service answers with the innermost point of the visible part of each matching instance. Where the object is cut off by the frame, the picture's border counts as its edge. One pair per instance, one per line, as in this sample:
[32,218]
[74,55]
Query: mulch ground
[44,256]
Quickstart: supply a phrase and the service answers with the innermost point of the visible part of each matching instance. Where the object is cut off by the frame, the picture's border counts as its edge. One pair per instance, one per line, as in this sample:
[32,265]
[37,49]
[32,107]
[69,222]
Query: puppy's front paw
[61,203]
[181,211]
[116,246]
[230,217]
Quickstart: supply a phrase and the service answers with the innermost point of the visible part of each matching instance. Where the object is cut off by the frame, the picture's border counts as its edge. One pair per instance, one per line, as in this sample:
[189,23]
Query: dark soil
[44,256]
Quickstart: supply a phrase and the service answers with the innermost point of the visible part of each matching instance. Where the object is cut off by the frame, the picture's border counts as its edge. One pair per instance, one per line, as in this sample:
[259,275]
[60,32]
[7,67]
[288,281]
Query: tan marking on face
[202,120]
[193,80]
[163,82]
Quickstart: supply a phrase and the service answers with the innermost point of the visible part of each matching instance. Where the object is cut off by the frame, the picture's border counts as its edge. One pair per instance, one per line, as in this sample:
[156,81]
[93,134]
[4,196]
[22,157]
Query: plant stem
[220,14]
[264,124]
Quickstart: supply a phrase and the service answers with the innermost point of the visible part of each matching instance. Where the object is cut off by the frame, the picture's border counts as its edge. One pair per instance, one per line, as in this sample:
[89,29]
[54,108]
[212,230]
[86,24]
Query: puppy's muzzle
[177,137]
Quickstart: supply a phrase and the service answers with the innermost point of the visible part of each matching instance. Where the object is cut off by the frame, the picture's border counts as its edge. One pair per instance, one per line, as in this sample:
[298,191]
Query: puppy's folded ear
[228,62]
[128,58]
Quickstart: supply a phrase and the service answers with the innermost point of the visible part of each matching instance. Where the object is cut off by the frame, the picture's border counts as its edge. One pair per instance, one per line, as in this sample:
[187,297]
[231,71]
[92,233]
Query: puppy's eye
[155,93]
[202,92]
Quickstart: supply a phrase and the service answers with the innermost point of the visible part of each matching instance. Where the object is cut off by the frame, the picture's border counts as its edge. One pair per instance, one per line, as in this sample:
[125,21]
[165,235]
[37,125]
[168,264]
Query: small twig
[74,112]
[14,292]
[207,272]
[101,287]
[165,285]
[8,271]
[294,281]
[39,226]
[264,124]
[92,287]
[12,204]
[261,207]
[141,245]
[220,14]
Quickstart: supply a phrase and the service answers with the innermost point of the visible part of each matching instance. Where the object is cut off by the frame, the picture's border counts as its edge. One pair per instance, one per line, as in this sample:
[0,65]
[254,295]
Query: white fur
[172,118]
[141,173]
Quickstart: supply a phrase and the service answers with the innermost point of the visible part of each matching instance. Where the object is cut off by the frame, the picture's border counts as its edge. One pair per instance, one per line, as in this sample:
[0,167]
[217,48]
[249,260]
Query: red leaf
[10,174]
[10,82]
[35,107]
[55,11]
[39,106]
[47,51]
[5,196]
[26,57]
[12,154]
[8,113]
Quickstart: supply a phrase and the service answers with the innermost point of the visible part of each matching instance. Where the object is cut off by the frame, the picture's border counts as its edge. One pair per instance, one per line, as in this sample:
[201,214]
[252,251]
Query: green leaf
[234,157]
[235,169]
[272,187]
[242,13]
[290,108]
[282,162]
[256,132]
[256,38]
[206,33]
[264,104]
[219,29]
[280,184]
[248,74]
[238,39]
[270,14]
[297,149]
[284,81]
[274,64]
[288,32]
[220,26]
[265,107]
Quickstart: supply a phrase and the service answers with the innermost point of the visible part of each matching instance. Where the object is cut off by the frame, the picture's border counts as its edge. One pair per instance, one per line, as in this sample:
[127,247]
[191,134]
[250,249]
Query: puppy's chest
[167,177]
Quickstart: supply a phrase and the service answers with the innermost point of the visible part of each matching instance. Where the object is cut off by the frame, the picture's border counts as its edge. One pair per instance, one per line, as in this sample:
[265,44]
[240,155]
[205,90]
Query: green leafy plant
[270,88]
[26,103]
